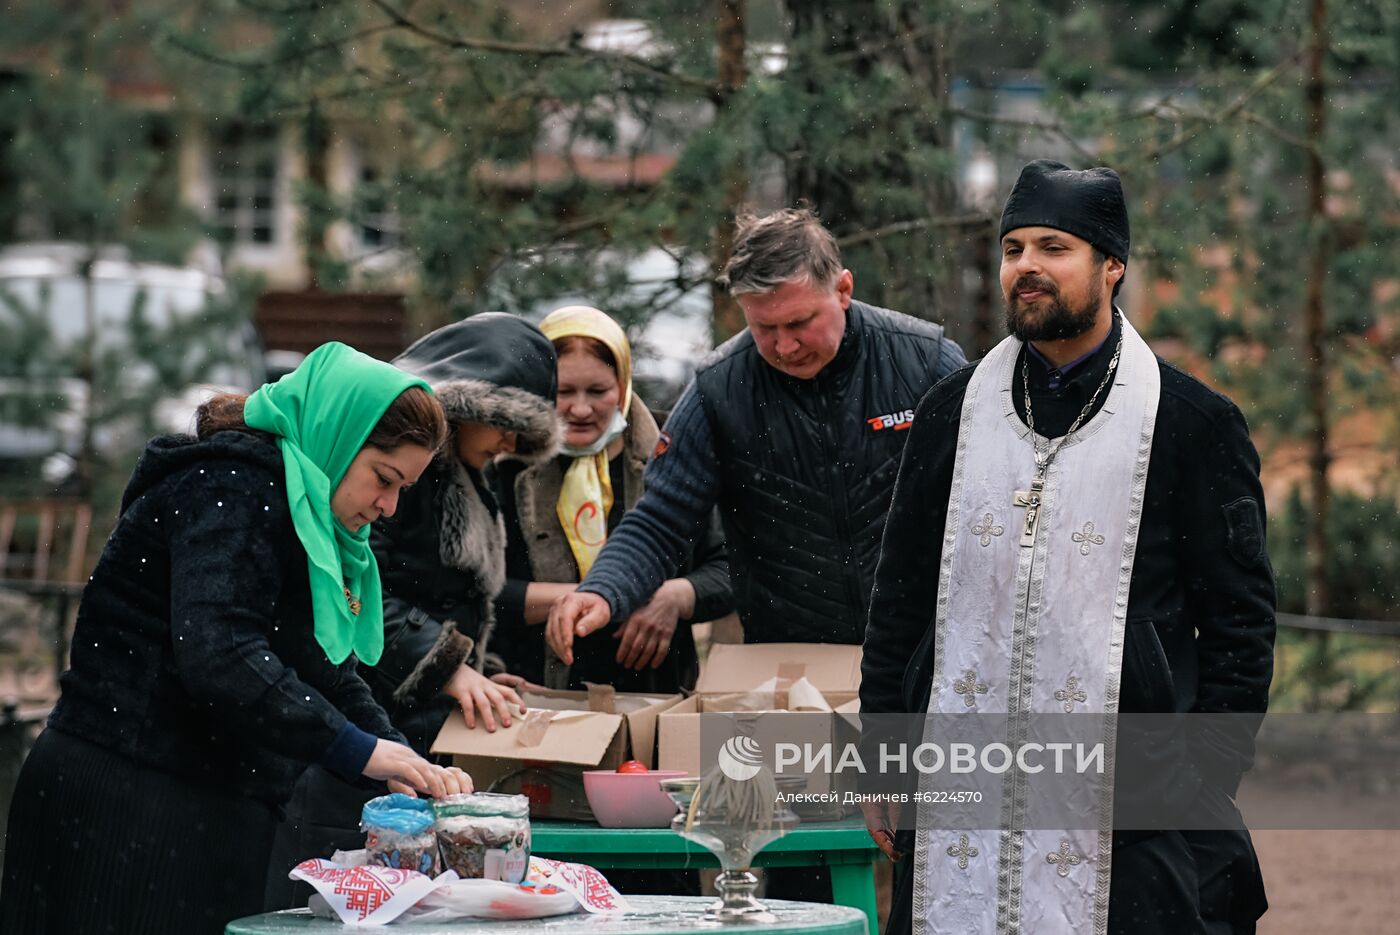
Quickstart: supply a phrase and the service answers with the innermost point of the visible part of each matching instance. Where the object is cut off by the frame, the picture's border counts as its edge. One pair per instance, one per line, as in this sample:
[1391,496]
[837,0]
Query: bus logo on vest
[895,420]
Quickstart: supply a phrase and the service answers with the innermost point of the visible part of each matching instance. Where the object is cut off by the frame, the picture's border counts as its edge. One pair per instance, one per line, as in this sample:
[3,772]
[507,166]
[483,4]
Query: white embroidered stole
[1026,631]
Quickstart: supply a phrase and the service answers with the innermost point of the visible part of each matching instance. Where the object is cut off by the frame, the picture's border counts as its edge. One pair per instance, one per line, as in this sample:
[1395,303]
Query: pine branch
[964,221]
[205,54]
[1054,128]
[711,90]
[1207,119]
[1198,121]
[1249,116]
[283,9]
[865,50]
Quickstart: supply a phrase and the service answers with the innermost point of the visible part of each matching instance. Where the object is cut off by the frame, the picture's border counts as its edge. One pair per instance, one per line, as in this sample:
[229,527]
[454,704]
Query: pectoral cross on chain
[1030,501]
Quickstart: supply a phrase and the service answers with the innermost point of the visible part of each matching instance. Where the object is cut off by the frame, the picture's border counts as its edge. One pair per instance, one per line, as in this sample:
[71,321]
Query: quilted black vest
[808,467]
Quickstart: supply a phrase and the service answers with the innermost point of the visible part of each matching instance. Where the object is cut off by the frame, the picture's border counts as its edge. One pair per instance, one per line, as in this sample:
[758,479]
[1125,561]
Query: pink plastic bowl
[630,800]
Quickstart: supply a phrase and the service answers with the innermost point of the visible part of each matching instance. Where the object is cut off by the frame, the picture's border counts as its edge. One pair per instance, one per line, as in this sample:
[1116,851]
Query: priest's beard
[1058,321]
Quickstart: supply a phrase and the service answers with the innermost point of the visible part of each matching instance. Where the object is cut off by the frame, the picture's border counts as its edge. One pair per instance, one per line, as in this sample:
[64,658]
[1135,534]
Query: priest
[1101,552]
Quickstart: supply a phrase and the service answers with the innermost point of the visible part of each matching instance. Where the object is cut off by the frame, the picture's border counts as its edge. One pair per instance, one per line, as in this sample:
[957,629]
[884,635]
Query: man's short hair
[785,246]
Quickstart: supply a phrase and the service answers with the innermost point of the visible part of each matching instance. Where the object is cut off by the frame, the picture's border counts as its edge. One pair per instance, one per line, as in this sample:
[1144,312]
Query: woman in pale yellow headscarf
[559,514]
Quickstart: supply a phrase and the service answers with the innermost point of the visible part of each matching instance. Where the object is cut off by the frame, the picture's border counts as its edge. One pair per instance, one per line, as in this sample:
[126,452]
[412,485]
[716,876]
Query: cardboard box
[726,685]
[543,755]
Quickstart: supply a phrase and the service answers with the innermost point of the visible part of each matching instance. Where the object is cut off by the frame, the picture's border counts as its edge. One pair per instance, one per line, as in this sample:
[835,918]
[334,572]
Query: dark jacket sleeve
[227,555]
[353,697]
[510,604]
[905,594]
[709,573]
[420,655]
[1229,589]
[897,657]
[653,539]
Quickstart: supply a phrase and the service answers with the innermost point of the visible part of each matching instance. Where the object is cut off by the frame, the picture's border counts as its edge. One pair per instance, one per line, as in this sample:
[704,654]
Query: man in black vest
[794,427]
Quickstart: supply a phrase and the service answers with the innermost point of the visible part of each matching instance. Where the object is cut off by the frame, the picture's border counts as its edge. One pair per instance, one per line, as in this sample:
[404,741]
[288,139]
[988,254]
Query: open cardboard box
[726,684]
[543,755]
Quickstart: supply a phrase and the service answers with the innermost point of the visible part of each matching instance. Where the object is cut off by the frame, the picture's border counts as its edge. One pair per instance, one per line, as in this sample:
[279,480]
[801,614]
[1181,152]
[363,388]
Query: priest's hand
[881,820]
[646,636]
[477,694]
[574,615]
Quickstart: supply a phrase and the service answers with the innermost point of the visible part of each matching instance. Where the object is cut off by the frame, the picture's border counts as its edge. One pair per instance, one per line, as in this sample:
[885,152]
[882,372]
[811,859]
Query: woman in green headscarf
[214,657]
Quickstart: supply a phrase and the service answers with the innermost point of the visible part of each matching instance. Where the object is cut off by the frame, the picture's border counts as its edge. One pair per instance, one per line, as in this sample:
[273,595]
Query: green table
[655,915]
[843,845]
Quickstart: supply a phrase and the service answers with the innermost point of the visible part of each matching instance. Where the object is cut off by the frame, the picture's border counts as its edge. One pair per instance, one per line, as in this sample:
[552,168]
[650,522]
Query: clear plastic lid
[482,805]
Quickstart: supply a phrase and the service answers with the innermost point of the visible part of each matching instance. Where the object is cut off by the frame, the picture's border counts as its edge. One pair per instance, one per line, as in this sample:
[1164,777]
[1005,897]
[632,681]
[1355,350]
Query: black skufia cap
[1087,203]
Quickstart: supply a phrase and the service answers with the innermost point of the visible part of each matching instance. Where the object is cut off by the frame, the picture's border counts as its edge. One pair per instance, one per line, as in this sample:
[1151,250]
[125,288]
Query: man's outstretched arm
[653,539]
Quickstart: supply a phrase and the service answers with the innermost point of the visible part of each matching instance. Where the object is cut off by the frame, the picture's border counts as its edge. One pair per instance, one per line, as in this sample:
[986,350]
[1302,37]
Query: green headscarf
[321,413]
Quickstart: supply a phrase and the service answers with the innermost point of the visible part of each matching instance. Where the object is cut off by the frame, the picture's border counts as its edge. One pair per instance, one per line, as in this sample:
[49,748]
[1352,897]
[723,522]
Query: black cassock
[1199,635]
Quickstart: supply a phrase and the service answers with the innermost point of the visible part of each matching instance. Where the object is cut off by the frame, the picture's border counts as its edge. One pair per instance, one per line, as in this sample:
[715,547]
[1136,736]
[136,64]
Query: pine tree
[854,117]
[1258,140]
[854,104]
[87,166]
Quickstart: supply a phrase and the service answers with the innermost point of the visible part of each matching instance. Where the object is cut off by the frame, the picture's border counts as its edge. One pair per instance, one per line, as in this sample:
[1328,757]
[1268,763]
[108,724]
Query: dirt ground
[1337,882]
[1330,882]
[1318,882]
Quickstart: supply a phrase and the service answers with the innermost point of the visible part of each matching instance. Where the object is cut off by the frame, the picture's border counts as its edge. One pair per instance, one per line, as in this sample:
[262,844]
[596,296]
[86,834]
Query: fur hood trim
[433,671]
[532,418]
[470,538]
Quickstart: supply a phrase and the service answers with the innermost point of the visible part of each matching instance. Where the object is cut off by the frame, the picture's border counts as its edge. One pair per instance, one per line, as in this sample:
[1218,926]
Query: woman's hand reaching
[479,695]
[407,772]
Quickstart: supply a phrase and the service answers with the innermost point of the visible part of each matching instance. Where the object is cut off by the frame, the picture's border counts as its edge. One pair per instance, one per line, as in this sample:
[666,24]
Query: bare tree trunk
[928,55]
[1318,597]
[86,471]
[914,273]
[728,318]
[315,142]
[986,298]
[1314,319]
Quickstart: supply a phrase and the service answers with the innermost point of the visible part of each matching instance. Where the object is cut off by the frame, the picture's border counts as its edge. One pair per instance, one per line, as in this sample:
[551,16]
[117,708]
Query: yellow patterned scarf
[586,497]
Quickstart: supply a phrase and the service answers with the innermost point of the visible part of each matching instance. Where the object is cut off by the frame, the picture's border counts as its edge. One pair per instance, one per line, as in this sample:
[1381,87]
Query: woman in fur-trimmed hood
[442,556]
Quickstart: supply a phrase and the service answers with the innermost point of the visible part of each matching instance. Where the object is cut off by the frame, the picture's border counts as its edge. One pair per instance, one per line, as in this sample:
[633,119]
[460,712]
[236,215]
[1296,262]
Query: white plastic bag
[490,899]
[378,895]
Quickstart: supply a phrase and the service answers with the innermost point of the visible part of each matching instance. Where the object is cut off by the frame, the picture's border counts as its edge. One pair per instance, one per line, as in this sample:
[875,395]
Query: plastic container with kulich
[484,835]
[399,833]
